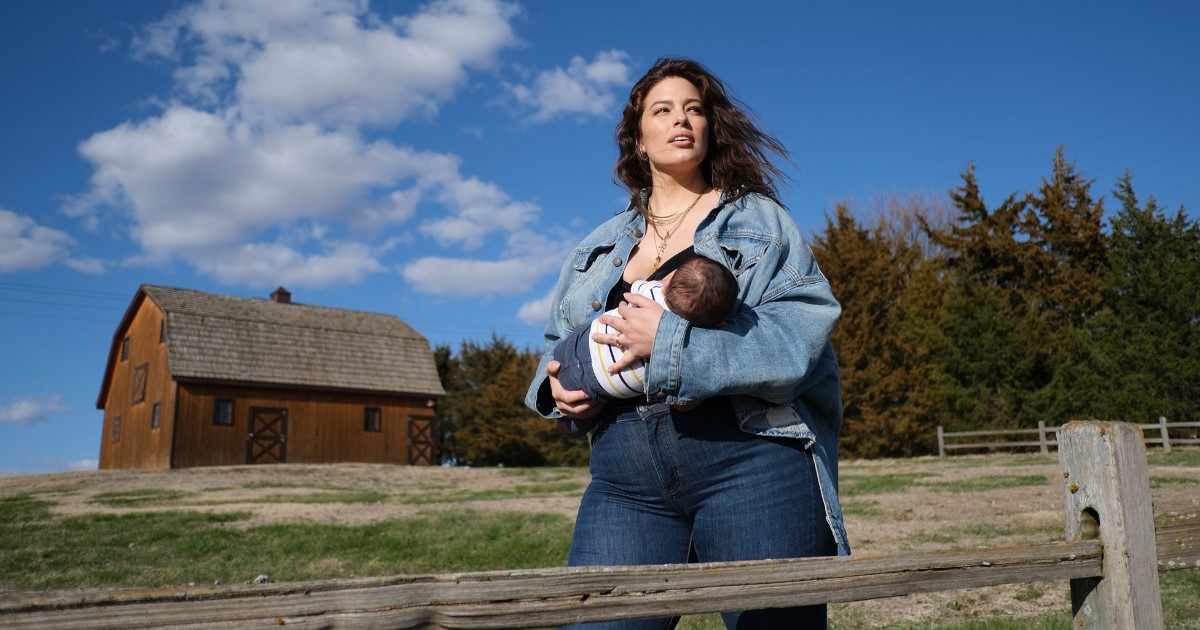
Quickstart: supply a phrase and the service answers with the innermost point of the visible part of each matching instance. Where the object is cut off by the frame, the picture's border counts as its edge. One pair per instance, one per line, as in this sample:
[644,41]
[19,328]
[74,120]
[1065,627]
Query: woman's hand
[634,330]
[571,403]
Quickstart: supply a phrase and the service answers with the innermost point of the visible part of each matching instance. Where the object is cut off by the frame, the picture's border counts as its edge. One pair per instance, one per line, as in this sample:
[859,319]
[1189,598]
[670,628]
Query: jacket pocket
[585,257]
[742,253]
[584,301]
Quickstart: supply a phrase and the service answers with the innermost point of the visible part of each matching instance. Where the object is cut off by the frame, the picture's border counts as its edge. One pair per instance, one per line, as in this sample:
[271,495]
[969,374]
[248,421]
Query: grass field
[292,522]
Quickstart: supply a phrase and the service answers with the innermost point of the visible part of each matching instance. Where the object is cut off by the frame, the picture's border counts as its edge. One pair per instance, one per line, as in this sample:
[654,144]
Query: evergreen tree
[883,388]
[1149,330]
[981,244]
[483,419]
[986,357]
[1065,228]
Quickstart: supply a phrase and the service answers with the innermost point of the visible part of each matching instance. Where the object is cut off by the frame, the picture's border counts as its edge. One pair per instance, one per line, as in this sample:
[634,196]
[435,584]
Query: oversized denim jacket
[772,357]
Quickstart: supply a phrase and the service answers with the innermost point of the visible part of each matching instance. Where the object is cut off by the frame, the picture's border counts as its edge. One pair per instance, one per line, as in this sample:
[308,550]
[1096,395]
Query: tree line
[1047,306]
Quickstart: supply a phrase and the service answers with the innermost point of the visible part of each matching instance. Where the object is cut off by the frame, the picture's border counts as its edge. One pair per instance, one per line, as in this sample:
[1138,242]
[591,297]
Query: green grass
[157,497]
[541,474]
[41,551]
[564,488]
[1187,457]
[341,495]
[953,535]
[1181,598]
[1158,482]
[23,509]
[1047,622]
[860,508]
[852,485]
[982,484]
[170,548]
[998,459]
[140,498]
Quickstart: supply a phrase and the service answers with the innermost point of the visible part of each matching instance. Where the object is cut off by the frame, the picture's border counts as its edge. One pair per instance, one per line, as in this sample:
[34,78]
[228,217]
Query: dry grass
[891,505]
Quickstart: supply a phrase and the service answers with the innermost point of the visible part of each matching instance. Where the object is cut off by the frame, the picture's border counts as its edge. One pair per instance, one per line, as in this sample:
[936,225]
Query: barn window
[125,348]
[156,416]
[223,412]
[116,430]
[371,421]
[139,384]
[162,331]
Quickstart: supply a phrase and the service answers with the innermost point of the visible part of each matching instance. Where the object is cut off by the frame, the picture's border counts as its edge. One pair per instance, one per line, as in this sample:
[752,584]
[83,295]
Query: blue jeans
[665,482]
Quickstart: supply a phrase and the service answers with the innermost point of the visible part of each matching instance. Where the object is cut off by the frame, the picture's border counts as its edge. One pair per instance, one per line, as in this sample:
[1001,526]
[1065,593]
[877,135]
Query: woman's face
[674,131]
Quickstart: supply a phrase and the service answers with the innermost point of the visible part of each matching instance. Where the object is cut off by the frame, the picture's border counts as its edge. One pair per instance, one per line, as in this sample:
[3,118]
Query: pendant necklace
[673,221]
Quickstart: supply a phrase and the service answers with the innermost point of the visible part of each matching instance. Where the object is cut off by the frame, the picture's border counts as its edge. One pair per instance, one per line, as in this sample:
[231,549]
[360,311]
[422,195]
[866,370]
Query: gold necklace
[673,223]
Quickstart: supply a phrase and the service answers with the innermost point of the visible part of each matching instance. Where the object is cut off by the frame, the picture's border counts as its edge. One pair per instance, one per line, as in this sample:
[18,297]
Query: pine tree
[1066,229]
[883,388]
[1149,330]
[483,418]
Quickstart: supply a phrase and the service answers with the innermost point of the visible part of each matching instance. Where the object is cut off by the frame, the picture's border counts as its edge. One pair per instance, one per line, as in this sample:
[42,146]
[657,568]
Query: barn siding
[323,427]
[140,446]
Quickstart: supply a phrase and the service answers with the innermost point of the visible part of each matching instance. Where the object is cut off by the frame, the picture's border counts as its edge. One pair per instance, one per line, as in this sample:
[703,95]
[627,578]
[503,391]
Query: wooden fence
[1045,437]
[1112,550]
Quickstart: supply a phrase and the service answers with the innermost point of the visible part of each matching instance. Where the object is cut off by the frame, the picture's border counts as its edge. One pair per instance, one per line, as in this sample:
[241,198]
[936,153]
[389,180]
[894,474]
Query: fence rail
[1105,484]
[1014,438]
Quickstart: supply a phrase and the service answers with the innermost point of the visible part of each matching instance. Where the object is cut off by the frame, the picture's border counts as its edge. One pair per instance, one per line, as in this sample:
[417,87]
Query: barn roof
[235,339]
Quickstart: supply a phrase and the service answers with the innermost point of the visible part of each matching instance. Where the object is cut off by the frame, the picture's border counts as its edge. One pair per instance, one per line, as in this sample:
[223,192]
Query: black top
[622,287]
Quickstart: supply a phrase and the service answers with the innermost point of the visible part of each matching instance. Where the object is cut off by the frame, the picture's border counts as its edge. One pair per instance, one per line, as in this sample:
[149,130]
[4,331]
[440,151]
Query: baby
[701,291]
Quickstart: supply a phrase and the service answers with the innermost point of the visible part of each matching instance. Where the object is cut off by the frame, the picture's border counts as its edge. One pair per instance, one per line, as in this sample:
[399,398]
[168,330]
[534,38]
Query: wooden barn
[200,379]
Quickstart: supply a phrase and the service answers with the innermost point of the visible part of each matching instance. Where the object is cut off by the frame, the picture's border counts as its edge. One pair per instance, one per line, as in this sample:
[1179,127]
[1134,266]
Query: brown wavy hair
[738,157]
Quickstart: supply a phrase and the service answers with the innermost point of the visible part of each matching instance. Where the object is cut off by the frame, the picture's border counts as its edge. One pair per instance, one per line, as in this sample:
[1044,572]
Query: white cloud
[529,257]
[582,87]
[270,264]
[269,139]
[537,312]
[31,409]
[25,245]
[478,209]
[193,180]
[38,466]
[91,266]
[333,61]
[462,277]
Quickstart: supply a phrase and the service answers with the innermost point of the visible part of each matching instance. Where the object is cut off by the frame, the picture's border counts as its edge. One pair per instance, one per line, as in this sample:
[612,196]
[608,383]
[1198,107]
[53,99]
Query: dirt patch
[891,505]
[297,493]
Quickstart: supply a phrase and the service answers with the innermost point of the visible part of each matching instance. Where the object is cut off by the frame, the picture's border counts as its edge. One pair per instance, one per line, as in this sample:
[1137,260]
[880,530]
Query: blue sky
[436,160]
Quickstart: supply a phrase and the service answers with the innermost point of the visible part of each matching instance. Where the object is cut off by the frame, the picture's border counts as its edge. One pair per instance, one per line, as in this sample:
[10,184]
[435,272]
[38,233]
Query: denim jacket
[772,357]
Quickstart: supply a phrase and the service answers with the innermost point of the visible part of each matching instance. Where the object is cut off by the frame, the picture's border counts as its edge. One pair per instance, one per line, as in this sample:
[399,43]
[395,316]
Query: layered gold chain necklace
[671,221]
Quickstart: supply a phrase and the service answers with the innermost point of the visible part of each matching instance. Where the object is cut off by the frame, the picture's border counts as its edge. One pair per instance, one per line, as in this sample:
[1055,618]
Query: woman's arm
[777,337]
[766,352]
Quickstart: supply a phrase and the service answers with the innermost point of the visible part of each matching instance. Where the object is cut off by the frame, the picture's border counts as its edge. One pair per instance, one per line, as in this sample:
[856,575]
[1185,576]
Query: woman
[750,472]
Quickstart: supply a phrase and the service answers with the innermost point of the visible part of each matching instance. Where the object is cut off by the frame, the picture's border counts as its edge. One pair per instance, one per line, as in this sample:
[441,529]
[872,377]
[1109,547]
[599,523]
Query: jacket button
[617,262]
[637,232]
[595,305]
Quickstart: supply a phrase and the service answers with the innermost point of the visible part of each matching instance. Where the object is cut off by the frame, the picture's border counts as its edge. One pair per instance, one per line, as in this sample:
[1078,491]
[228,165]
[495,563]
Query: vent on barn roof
[281,296]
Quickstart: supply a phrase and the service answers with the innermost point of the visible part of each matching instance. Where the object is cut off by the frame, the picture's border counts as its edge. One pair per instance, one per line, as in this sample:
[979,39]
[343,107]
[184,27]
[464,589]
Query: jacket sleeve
[769,349]
[538,396]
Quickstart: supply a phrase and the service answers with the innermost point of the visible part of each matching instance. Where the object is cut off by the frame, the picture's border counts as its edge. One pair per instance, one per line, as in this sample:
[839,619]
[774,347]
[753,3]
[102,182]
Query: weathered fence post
[1162,430]
[1106,483]
[941,441]
[1042,437]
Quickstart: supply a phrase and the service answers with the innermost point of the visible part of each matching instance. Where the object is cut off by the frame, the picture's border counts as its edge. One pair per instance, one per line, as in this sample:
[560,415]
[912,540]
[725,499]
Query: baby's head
[701,291]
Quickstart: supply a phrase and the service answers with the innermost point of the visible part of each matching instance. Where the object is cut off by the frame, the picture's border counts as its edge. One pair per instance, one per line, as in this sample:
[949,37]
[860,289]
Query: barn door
[422,441]
[266,442]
